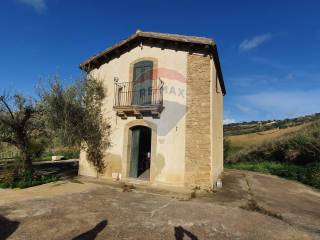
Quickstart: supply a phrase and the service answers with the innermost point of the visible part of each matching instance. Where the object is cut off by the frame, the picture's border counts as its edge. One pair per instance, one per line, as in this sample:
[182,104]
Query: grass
[29,182]
[295,156]
[308,174]
[7,179]
[66,153]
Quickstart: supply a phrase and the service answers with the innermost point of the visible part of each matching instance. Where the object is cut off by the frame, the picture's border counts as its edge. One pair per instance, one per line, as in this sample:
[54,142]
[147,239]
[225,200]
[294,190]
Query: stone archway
[143,127]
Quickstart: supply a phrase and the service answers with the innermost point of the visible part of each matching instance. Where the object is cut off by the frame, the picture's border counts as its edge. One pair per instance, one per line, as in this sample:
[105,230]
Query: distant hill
[262,126]
[259,137]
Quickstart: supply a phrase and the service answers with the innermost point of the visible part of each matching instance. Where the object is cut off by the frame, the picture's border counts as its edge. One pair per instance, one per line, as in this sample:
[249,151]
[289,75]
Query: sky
[269,50]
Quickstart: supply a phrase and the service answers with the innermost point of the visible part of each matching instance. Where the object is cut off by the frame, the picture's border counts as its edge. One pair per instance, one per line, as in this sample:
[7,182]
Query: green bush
[309,174]
[27,180]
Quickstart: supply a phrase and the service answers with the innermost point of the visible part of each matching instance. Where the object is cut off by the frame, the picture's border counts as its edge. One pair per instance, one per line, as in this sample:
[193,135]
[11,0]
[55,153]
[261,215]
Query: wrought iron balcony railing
[140,99]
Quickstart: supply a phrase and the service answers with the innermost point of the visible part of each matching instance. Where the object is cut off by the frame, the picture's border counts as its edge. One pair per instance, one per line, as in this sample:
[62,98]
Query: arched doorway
[140,152]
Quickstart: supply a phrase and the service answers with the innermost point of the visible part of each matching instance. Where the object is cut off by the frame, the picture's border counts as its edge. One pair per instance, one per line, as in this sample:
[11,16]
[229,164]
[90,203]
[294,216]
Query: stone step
[142,186]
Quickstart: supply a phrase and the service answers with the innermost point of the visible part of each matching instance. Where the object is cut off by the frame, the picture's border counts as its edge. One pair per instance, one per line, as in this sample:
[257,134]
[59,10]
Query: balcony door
[142,83]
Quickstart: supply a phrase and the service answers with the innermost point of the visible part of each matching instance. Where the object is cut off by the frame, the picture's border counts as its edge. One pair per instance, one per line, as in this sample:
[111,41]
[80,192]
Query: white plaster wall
[170,127]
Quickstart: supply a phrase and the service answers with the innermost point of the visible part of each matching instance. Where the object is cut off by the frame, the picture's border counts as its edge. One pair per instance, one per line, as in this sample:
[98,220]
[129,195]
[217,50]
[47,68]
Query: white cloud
[254,42]
[301,75]
[248,81]
[270,62]
[38,5]
[284,104]
[228,121]
[242,108]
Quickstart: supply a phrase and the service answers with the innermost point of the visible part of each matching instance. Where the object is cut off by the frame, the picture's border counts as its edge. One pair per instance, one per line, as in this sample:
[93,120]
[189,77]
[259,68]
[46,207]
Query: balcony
[139,99]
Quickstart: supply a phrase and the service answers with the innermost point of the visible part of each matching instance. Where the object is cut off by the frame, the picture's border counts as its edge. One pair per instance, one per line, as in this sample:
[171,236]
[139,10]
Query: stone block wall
[198,122]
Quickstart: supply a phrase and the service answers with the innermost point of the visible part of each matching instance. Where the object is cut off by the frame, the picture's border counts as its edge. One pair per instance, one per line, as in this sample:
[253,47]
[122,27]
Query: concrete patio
[249,206]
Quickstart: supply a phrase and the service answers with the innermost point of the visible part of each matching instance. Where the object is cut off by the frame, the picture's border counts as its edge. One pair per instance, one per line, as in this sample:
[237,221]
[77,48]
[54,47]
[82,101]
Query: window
[142,83]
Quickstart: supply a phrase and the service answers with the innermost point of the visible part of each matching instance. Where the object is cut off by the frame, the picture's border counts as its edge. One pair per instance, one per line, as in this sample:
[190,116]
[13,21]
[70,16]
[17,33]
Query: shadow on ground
[180,232]
[7,227]
[92,233]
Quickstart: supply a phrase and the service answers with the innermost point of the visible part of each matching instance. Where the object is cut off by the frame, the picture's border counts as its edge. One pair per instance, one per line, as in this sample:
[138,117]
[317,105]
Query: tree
[74,115]
[21,125]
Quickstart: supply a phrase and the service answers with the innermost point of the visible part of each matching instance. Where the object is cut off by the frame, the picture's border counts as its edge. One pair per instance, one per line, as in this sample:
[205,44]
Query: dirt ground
[249,206]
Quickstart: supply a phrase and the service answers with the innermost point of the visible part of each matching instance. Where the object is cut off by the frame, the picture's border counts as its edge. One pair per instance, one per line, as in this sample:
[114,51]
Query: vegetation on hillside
[294,156]
[246,140]
[260,126]
[301,147]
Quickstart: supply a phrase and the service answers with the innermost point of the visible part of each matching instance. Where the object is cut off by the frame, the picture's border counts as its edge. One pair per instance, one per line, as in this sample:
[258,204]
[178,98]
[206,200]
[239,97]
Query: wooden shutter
[142,83]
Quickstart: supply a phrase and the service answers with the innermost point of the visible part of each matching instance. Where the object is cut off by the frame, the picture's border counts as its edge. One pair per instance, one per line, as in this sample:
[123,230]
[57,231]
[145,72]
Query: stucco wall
[216,126]
[168,165]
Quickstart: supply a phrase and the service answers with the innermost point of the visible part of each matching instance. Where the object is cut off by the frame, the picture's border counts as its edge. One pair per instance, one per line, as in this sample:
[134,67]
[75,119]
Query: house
[165,105]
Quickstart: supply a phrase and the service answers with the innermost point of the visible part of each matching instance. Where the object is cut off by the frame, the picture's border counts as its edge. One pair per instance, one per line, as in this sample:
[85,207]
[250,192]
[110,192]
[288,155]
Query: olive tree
[74,115]
[22,125]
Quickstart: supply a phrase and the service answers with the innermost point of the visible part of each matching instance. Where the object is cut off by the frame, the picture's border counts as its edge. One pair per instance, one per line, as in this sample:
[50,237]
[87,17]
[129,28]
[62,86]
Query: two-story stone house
[165,105]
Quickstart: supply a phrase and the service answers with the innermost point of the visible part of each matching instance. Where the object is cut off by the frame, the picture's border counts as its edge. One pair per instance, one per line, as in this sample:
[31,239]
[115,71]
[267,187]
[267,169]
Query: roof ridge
[164,36]
[175,34]
[208,43]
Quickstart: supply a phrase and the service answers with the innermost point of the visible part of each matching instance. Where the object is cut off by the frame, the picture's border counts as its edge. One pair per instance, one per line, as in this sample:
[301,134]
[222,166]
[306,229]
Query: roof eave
[122,43]
[207,41]
[219,70]
[212,46]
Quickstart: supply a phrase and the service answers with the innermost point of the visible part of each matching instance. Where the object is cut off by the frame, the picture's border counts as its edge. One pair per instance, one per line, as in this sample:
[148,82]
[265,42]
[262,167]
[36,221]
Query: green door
[142,83]
[134,152]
